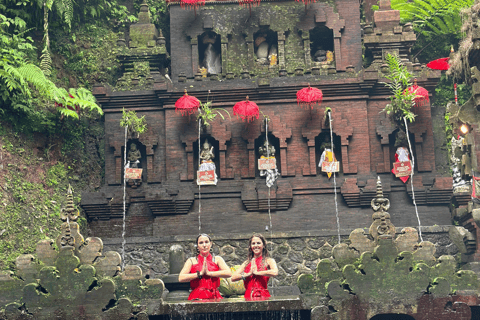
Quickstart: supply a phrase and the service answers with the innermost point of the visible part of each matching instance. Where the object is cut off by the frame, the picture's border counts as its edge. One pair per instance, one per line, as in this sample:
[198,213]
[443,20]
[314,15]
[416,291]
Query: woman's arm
[271,272]
[238,274]
[224,271]
[185,275]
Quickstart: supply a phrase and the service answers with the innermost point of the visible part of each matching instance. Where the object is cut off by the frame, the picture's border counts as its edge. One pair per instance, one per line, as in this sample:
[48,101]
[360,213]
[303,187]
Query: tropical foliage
[401,100]
[432,17]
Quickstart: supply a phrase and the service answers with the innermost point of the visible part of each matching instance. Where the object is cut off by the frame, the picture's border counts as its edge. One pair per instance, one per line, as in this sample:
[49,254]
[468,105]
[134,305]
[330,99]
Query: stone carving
[207,164]
[381,226]
[76,282]
[212,60]
[133,156]
[390,276]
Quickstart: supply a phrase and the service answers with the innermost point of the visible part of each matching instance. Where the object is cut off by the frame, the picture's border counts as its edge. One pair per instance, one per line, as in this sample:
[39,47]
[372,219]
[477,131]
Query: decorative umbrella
[247,110]
[249,3]
[189,3]
[309,96]
[307,1]
[187,105]
[439,64]
[421,94]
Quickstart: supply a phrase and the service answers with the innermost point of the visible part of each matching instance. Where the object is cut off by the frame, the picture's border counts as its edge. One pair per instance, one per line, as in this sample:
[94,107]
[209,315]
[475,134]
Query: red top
[207,287]
[255,285]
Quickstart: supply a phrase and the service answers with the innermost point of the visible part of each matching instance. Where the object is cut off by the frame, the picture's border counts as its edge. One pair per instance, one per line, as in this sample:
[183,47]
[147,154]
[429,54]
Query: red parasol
[247,110]
[439,64]
[309,96]
[187,105]
[249,3]
[307,1]
[421,94]
[189,3]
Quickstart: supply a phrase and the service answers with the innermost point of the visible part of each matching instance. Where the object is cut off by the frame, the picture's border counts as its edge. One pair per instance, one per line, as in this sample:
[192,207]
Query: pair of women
[205,271]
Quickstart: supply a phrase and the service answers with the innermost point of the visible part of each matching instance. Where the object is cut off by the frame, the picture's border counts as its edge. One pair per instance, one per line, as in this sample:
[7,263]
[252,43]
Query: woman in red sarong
[257,270]
[204,271]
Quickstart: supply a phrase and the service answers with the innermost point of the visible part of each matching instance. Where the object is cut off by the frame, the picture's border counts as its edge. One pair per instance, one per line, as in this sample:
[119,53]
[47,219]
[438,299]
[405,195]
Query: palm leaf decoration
[432,17]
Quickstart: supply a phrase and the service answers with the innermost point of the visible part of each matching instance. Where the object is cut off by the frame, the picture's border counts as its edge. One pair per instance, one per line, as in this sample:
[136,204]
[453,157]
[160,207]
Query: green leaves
[133,122]
[401,100]
[432,16]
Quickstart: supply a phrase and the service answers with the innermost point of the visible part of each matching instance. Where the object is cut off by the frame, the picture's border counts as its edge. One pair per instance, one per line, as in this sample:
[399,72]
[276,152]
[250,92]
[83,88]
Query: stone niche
[246,41]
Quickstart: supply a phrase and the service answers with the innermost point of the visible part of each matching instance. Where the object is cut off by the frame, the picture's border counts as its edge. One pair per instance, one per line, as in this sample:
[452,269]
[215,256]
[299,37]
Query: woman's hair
[196,241]
[264,251]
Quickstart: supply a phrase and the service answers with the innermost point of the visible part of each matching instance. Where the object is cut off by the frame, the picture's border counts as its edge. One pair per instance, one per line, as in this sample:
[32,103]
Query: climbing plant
[401,101]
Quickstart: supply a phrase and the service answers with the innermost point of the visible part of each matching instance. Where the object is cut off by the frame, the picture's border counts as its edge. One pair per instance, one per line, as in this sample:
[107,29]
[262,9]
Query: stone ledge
[279,303]
[277,235]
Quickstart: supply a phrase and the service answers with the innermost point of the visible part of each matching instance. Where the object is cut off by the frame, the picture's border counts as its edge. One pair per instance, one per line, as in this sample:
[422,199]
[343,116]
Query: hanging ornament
[188,3]
[249,3]
[187,105]
[309,96]
[421,94]
[247,110]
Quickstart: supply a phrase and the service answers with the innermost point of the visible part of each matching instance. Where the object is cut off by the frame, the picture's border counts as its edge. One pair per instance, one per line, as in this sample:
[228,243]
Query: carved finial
[69,213]
[381,225]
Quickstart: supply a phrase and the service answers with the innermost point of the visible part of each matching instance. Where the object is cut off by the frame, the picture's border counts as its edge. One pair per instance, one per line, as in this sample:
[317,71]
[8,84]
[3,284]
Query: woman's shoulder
[270,260]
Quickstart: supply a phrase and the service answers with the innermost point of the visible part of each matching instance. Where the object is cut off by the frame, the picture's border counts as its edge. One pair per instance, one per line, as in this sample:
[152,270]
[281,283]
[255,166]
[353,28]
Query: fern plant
[402,100]
[432,17]
[208,114]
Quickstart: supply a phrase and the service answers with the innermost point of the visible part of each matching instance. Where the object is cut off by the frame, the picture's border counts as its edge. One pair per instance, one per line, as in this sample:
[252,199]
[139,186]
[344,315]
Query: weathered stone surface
[407,240]
[109,264]
[27,268]
[425,252]
[46,252]
[90,250]
[344,255]
[382,272]
[360,241]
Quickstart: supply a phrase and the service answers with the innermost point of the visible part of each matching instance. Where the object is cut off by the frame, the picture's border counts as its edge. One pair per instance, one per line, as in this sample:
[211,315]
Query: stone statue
[207,152]
[267,151]
[267,148]
[207,164]
[133,156]
[327,155]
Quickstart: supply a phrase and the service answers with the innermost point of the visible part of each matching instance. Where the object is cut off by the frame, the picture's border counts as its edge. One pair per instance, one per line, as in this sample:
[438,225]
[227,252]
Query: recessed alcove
[213,143]
[394,144]
[321,41]
[322,140]
[265,46]
[143,161]
[272,140]
[210,52]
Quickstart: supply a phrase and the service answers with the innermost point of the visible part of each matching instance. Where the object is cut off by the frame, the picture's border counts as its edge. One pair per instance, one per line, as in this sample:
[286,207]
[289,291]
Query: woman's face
[257,246]
[204,245]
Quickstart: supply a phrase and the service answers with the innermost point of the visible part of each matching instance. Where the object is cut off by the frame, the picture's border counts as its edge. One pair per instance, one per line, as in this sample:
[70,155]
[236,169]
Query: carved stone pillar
[251,52]
[281,50]
[306,48]
[224,45]
[194,43]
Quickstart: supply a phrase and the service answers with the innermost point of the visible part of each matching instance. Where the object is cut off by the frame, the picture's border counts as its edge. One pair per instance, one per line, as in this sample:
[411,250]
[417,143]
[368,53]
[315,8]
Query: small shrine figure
[456,159]
[328,162]
[267,163]
[206,174]
[133,175]
[402,168]
[133,156]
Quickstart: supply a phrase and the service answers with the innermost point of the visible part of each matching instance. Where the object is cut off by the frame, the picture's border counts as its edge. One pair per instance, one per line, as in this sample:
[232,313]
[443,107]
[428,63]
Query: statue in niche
[320,55]
[459,184]
[266,53]
[211,61]
[328,162]
[133,175]
[133,156]
[267,163]
[206,174]
[401,156]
